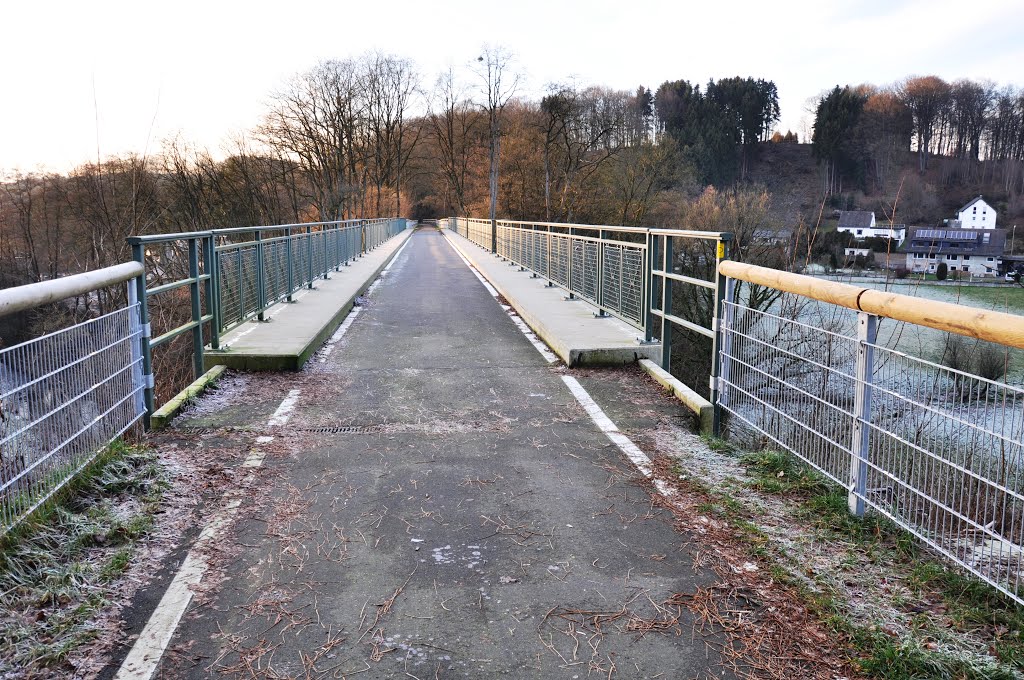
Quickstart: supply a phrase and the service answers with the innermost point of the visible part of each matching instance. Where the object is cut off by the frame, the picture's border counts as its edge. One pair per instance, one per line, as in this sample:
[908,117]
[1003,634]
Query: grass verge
[947,624]
[62,565]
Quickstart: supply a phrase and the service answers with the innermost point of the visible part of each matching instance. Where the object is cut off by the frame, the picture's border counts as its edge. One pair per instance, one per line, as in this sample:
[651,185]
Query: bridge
[451,478]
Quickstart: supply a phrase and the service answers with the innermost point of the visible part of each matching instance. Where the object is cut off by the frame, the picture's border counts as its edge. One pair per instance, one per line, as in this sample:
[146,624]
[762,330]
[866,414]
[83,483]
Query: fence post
[135,328]
[197,312]
[290,263]
[261,289]
[725,353]
[721,253]
[667,256]
[241,287]
[600,276]
[309,255]
[211,269]
[139,254]
[337,246]
[651,257]
[867,330]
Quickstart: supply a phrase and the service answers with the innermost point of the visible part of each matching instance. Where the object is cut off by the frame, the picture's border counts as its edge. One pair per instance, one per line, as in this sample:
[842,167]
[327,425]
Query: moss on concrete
[166,413]
[702,407]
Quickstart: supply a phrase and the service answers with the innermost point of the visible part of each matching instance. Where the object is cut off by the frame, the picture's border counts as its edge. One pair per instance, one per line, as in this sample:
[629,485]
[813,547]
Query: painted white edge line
[625,444]
[338,334]
[284,410]
[144,656]
[384,272]
[538,344]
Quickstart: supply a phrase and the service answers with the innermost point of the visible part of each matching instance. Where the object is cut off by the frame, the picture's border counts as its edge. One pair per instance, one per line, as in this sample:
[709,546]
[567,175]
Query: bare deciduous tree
[500,83]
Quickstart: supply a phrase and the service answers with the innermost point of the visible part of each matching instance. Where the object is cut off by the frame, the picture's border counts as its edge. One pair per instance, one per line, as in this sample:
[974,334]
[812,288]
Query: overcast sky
[122,76]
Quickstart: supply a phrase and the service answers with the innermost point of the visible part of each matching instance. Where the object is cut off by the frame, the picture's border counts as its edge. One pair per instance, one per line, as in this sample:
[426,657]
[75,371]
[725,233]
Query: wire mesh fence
[939,451]
[596,263]
[264,267]
[63,398]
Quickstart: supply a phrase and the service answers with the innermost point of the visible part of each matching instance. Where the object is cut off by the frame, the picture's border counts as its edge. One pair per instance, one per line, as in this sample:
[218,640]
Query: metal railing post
[668,259]
[289,262]
[725,371]
[309,255]
[135,326]
[241,288]
[261,290]
[867,330]
[550,240]
[572,248]
[721,253]
[197,312]
[139,254]
[337,246]
[210,268]
[651,256]
[599,293]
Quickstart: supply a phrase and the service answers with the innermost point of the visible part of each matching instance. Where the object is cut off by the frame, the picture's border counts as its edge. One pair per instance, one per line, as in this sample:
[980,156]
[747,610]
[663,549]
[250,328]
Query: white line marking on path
[625,444]
[284,411]
[538,344]
[339,334]
[384,272]
[144,657]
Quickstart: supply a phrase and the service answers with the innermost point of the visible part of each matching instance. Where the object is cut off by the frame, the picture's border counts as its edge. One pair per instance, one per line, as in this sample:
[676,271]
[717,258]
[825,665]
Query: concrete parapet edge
[704,409]
[572,356]
[294,362]
[166,413]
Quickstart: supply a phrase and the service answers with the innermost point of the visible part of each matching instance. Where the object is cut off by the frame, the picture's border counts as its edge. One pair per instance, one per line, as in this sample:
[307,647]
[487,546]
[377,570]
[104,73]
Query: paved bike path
[435,503]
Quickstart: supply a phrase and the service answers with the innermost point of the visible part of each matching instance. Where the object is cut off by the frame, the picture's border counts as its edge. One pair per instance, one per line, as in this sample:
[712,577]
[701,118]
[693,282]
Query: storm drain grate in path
[343,430]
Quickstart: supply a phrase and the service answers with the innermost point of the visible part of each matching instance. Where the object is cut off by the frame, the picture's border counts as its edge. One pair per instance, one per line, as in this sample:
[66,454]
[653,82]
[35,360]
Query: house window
[950,257]
[991,259]
[859,232]
[967,257]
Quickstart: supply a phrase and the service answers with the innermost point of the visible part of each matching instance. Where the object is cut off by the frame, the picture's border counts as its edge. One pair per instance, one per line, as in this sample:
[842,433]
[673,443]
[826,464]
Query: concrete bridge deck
[430,497]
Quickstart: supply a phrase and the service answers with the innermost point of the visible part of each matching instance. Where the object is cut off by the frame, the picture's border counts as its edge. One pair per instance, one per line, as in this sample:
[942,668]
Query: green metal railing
[640,275]
[234,275]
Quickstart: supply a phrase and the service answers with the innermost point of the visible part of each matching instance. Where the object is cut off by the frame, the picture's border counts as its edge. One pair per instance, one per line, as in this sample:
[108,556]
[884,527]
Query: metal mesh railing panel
[611,277]
[631,301]
[229,264]
[942,452]
[275,270]
[63,397]
[249,279]
[560,248]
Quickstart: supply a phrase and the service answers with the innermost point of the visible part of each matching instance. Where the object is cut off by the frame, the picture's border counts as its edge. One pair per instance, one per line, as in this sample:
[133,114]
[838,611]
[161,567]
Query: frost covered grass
[62,566]
[925,619]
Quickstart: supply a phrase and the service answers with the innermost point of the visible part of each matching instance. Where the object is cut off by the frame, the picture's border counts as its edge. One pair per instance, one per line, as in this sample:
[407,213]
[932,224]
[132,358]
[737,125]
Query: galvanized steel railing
[68,394]
[938,450]
[629,272]
[234,275]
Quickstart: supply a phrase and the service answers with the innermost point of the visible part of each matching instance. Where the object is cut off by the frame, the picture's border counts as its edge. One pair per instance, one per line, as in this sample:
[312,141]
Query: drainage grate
[202,431]
[342,430]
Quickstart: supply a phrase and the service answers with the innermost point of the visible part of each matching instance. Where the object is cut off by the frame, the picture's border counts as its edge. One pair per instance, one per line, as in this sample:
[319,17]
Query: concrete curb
[166,413]
[295,361]
[704,409]
[567,352]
